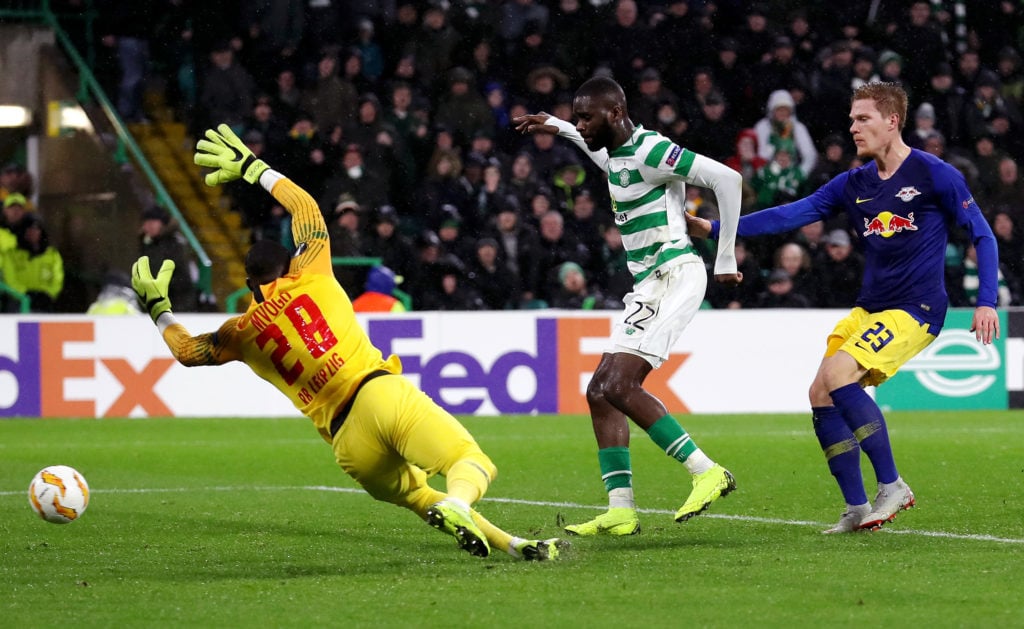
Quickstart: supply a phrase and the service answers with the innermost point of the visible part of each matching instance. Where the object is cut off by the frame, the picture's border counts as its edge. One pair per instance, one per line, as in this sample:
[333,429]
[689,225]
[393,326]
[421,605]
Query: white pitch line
[568,505]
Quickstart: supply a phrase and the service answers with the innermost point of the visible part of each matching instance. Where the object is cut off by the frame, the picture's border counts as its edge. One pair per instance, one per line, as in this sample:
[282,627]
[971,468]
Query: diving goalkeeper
[301,335]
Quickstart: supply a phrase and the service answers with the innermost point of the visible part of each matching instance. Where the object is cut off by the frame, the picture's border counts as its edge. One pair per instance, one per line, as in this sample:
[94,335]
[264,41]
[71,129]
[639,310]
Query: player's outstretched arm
[152,293]
[231,159]
[546,123]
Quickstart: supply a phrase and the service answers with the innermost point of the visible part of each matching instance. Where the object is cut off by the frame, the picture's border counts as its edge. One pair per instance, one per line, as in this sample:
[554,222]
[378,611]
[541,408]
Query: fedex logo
[555,365]
[34,373]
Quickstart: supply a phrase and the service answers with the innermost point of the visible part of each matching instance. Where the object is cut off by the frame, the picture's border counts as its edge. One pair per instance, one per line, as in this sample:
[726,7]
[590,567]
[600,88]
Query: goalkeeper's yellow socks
[670,437]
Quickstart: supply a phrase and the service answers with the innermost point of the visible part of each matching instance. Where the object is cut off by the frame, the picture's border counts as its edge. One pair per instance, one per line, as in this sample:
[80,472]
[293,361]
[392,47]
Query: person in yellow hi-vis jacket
[34,267]
[301,335]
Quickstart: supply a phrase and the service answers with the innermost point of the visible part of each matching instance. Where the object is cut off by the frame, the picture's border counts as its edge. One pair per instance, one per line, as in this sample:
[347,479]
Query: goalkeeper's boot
[707,487]
[888,502]
[615,521]
[457,522]
[539,549]
[850,520]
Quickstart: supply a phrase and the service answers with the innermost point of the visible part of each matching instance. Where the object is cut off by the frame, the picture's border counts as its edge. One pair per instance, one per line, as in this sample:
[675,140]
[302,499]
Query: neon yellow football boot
[707,487]
[615,521]
[540,549]
[457,522]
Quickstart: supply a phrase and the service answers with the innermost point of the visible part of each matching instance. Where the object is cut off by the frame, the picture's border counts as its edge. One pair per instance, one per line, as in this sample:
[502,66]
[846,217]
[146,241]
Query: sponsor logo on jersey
[624,177]
[907,193]
[886,224]
[621,218]
[673,155]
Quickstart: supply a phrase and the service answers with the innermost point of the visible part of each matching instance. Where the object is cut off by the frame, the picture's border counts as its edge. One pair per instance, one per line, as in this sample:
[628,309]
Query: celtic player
[647,176]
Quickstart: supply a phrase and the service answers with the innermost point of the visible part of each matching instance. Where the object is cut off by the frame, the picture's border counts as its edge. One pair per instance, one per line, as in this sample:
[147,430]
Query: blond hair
[890,98]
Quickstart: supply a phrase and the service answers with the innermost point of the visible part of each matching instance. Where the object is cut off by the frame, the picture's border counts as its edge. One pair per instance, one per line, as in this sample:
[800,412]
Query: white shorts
[658,310]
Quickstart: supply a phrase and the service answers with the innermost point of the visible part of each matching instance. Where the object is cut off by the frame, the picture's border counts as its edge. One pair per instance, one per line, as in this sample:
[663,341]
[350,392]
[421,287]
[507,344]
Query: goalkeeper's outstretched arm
[231,159]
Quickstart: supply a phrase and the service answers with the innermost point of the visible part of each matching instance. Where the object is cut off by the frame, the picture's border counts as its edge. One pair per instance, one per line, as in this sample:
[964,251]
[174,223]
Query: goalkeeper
[301,335]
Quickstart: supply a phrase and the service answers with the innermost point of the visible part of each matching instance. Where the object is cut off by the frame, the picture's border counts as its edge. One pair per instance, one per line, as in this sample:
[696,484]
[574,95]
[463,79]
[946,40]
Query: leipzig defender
[647,178]
[902,203]
[301,335]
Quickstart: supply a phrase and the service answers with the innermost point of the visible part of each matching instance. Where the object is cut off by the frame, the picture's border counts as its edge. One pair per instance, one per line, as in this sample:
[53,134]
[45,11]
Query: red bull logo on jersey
[907,193]
[886,224]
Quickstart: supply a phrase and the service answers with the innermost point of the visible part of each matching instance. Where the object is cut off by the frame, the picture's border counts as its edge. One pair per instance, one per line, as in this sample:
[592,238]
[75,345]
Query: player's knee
[480,463]
[612,390]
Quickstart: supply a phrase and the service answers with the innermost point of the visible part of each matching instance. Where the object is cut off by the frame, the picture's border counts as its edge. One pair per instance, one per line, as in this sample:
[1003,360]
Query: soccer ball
[59,494]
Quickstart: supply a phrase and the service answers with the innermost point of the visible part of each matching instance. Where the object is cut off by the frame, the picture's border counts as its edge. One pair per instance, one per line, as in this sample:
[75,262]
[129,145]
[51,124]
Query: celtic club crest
[624,177]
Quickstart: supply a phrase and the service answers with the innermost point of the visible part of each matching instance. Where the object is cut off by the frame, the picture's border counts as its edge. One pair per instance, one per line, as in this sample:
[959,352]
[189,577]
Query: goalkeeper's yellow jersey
[303,337]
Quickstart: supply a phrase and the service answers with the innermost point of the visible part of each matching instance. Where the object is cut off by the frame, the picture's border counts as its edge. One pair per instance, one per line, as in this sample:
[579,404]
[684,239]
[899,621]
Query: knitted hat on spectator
[567,268]
[15,198]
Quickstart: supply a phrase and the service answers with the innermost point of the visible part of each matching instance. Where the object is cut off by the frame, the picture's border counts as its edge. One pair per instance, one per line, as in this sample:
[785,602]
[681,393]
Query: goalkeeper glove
[232,159]
[152,292]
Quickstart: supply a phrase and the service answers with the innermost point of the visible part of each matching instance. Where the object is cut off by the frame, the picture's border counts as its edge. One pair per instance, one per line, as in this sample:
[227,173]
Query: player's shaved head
[604,89]
[266,261]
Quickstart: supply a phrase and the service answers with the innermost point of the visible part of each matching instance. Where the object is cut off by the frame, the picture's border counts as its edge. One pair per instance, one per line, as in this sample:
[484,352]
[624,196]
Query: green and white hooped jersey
[647,179]
[646,183]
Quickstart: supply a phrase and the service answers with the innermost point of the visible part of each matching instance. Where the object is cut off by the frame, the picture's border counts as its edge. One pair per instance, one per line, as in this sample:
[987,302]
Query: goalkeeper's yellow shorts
[395,437]
[880,342]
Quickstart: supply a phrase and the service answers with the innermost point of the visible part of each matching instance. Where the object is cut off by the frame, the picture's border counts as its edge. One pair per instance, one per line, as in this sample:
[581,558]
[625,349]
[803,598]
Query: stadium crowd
[395,115]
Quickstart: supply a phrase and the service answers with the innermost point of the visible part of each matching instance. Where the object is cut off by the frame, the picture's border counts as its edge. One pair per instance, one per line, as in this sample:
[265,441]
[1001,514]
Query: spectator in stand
[747,162]
[556,247]
[756,37]
[287,96]
[379,139]
[517,17]
[260,213]
[13,221]
[34,267]
[834,160]
[1008,190]
[452,292]
[836,273]
[779,125]
[519,249]
[949,100]
[14,178]
[497,285]
[918,38]
[650,94]
[582,221]
[1011,75]
[463,110]
[544,83]
[274,30]
[575,21]
[386,242]
[455,243]
[924,126]
[377,295]
[796,261]
[345,231]
[713,133]
[331,99]
[864,70]
[625,43]
[610,264]
[355,179]
[160,240]
[683,42]
[743,295]
[434,44]
[1011,251]
[573,293]
[971,283]
[116,296]
[734,80]
[781,69]
[441,188]
[780,180]
[369,51]
[780,293]
[125,25]
[523,181]
[228,90]
[270,125]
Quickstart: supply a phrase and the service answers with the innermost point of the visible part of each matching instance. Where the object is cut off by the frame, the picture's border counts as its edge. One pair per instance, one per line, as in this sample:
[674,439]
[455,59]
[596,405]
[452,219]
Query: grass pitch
[233,522]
